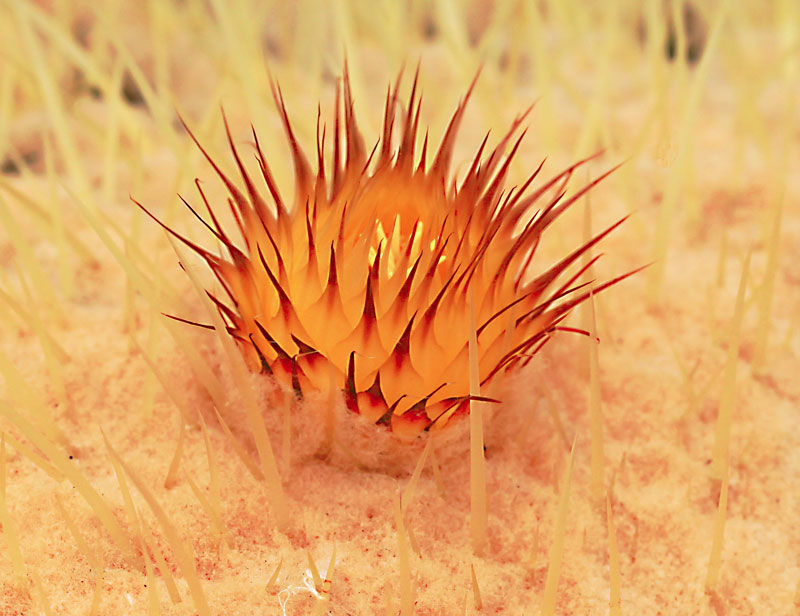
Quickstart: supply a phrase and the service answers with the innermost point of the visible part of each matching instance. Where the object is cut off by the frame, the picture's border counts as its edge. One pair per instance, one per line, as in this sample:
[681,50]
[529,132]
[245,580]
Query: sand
[711,151]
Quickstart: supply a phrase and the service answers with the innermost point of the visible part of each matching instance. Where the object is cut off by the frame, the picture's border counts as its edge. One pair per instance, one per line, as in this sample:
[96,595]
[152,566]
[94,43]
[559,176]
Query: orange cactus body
[368,275]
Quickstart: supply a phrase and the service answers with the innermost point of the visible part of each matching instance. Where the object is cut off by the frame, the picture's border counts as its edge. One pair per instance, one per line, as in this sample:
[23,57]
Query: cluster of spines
[368,277]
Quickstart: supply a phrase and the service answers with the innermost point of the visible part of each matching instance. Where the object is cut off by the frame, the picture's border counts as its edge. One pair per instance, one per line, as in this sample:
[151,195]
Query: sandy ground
[661,380]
